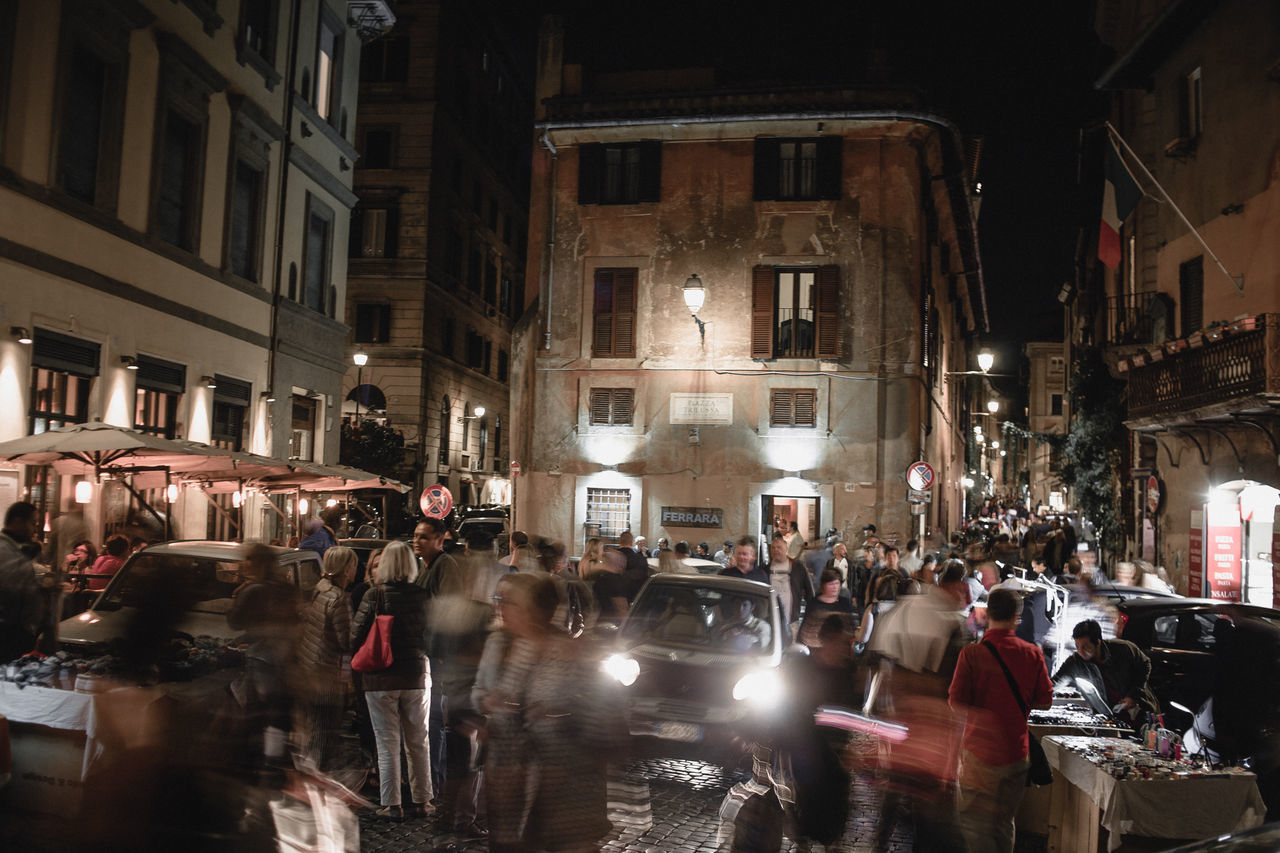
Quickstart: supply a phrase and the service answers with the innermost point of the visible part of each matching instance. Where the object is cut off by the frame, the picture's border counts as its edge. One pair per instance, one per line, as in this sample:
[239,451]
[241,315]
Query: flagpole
[1237,281]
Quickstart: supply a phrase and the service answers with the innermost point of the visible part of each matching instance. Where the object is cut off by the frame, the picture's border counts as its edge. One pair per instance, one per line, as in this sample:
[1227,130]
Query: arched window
[446,410]
[484,442]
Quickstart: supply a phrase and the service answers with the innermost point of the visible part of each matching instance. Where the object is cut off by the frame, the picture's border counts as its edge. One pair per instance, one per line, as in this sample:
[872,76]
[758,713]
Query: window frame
[768,171]
[331,109]
[611,407]
[600,509]
[380,49]
[381,319]
[618,325]
[393,144]
[765,322]
[791,399]
[305,425]
[262,60]
[595,170]
[319,210]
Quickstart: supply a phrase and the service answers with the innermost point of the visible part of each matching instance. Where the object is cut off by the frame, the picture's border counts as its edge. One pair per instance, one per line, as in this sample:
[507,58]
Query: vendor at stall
[1117,669]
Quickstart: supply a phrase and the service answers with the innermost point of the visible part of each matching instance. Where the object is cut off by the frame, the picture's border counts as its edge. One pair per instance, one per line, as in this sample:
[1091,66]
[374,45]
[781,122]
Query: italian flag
[1120,196]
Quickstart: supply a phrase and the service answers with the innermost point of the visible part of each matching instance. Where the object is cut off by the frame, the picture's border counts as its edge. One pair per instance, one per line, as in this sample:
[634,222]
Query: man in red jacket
[993,761]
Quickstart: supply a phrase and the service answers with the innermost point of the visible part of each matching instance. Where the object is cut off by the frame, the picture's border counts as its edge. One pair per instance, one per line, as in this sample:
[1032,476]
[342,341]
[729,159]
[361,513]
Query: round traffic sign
[515,468]
[436,502]
[920,475]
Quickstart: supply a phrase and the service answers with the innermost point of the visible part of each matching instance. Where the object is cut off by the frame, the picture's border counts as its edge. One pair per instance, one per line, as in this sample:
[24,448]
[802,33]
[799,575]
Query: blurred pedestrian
[997,681]
[21,602]
[397,704]
[108,563]
[829,601]
[548,727]
[325,638]
[320,535]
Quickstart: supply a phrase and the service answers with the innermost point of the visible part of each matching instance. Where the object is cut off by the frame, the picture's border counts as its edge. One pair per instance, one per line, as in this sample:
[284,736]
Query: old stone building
[437,255]
[825,243]
[174,196]
[1047,413]
[1191,319]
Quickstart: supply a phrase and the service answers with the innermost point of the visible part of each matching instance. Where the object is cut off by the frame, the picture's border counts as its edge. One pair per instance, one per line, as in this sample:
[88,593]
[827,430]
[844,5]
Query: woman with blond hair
[397,708]
[592,562]
[326,637]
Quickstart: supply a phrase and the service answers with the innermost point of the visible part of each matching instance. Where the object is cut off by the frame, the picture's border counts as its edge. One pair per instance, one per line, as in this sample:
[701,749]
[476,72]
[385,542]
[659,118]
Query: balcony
[1139,318]
[1226,370]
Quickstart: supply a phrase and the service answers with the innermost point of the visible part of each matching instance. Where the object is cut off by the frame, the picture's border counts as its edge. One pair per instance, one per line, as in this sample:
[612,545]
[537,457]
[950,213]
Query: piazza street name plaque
[701,409]
[692,516]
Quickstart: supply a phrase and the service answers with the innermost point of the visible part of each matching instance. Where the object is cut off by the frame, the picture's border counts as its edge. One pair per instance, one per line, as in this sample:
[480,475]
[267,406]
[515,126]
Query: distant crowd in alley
[488,715]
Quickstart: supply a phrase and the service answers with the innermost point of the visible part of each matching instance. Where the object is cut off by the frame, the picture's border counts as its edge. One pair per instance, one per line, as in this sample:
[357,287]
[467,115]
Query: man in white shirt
[792,582]
[911,560]
[725,555]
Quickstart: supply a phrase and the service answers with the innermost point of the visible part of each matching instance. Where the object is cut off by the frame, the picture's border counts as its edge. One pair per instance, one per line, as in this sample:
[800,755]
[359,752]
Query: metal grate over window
[609,508]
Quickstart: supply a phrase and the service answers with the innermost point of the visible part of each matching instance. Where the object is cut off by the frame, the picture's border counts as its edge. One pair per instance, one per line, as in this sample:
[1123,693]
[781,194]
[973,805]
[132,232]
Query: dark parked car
[697,655]
[212,572]
[1202,649]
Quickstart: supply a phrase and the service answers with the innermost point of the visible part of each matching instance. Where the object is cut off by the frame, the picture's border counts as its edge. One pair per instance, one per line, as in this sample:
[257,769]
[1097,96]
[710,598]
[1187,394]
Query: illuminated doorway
[778,511]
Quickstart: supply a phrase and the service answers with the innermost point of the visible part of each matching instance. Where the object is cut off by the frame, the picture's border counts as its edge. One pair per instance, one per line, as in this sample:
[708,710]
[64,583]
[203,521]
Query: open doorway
[778,511]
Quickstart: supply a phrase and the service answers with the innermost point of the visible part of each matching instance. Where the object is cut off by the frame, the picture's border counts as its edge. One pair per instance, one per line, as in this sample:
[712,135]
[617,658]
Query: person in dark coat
[397,705]
[1117,668]
[635,569]
[21,604]
[326,637]
[744,563]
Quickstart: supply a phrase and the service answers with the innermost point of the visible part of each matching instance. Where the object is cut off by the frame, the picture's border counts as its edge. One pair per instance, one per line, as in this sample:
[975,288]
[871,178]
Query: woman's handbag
[1039,773]
[375,653]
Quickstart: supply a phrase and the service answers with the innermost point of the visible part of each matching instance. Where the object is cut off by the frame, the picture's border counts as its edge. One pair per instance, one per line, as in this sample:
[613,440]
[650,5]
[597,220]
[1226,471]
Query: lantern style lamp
[694,296]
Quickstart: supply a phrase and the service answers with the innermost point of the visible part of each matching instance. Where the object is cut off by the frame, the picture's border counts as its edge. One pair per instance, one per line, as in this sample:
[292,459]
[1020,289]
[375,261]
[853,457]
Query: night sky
[1018,74]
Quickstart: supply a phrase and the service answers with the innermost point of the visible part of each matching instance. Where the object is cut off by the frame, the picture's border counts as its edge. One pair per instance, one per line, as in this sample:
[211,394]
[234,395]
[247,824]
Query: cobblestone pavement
[683,797]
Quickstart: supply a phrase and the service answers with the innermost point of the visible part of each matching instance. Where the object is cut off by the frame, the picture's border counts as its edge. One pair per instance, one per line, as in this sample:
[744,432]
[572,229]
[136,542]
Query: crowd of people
[491,717]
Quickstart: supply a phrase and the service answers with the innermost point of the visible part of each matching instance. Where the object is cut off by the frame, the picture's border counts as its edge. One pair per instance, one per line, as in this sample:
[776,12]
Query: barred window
[611,509]
[793,407]
[612,406]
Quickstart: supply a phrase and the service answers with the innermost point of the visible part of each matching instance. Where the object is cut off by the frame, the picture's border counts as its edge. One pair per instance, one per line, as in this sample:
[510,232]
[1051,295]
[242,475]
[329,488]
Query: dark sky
[1019,74]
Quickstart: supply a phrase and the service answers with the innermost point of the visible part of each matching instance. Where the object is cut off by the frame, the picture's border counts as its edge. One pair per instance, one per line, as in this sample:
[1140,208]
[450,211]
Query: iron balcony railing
[1216,366]
[1138,318]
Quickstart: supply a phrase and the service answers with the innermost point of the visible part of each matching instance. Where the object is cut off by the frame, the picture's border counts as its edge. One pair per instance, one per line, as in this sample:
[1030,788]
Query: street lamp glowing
[694,296]
[985,361]
[995,444]
[993,406]
[967,482]
[361,358]
[479,411]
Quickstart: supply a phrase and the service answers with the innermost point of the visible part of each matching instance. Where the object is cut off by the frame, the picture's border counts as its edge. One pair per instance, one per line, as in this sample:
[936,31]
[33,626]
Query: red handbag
[375,653]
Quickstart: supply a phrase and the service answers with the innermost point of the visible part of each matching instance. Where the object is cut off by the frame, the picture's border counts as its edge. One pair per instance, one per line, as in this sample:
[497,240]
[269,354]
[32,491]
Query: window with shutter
[317,253]
[1191,285]
[630,173]
[611,406]
[795,313]
[373,323]
[798,169]
[793,407]
[614,314]
[246,220]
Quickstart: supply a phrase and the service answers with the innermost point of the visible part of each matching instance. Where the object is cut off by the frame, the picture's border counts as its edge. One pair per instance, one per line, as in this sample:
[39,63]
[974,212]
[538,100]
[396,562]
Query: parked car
[213,573]
[1202,649]
[701,565]
[698,654]
[364,548]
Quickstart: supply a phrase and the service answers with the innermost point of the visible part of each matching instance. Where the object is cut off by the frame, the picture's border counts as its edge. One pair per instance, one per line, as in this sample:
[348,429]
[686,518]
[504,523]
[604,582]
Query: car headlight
[761,687]
[624,669]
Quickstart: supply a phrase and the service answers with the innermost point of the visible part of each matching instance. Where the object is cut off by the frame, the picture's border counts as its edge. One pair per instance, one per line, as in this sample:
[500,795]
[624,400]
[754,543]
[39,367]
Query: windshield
[206,583]
[704,618]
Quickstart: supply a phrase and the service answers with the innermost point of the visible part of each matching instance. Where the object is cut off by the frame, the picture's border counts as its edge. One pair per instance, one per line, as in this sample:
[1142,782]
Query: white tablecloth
[1191,807]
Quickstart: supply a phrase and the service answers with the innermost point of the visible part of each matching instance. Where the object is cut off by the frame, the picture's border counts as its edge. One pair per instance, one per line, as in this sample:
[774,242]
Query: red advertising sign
[1195,555]
[1222,552]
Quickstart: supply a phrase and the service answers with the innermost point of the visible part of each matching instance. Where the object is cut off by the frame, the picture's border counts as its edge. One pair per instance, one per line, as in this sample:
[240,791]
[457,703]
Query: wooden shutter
[601,405]
[590,168]
[623,399]
[804,404]
[650,171]
[780,408]
[827,312]
[829,149]
[614,314]
[766,169]
[762,279]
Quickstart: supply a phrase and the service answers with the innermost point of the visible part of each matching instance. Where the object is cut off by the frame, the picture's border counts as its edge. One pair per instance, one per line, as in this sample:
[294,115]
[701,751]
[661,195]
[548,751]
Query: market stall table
[1124,788]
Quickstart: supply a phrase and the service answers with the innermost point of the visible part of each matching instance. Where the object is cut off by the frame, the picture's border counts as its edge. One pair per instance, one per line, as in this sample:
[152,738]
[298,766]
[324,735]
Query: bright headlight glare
[623,668]
[762,688]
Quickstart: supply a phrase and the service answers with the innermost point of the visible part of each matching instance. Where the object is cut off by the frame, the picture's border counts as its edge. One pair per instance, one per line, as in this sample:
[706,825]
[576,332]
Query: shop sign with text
[1222,552]
[702,408]
[692,516]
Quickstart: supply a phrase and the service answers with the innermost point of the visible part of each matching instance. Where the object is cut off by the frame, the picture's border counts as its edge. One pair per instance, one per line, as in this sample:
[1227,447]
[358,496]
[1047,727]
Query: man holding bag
[994,758]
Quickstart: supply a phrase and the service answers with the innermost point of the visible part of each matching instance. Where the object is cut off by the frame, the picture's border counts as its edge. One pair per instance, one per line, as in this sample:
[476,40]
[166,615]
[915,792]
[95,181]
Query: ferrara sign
[692,516]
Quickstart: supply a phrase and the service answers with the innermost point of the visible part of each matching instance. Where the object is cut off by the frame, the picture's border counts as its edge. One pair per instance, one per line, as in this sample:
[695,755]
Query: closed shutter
[829,149]
[1191,281]
[611,406]
[590,168]
[827,311]
[766,169]
[53,351]
[601,405]
[614,314]
[805,403]
[780,408]
[230,390]
[622,403]
[650,171]
[160,375]
[762,279]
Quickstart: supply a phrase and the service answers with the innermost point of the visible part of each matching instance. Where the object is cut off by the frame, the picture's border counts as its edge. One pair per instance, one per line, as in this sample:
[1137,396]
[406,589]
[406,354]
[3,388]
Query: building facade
[834,277]
[437,257]
[174,201]
[1048,414]
[1192,319]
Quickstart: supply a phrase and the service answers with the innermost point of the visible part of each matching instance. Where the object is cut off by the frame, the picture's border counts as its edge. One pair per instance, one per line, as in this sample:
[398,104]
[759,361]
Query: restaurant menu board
[1222,552]
[1195,555]
[1275,560]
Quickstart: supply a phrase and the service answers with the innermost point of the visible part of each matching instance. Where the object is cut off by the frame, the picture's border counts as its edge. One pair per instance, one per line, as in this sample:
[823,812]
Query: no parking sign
[436,502]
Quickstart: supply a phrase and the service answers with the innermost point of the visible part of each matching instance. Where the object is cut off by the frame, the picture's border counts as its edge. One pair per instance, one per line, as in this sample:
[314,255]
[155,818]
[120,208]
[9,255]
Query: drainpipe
[551,234]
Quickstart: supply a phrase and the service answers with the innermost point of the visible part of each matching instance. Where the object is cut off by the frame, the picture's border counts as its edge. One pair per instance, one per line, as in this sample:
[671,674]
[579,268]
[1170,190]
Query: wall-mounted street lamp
[361,358]
[130,362]
[479,413]
[986,361]
[20,334]
[208,382]
[993,406]
[694,295]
